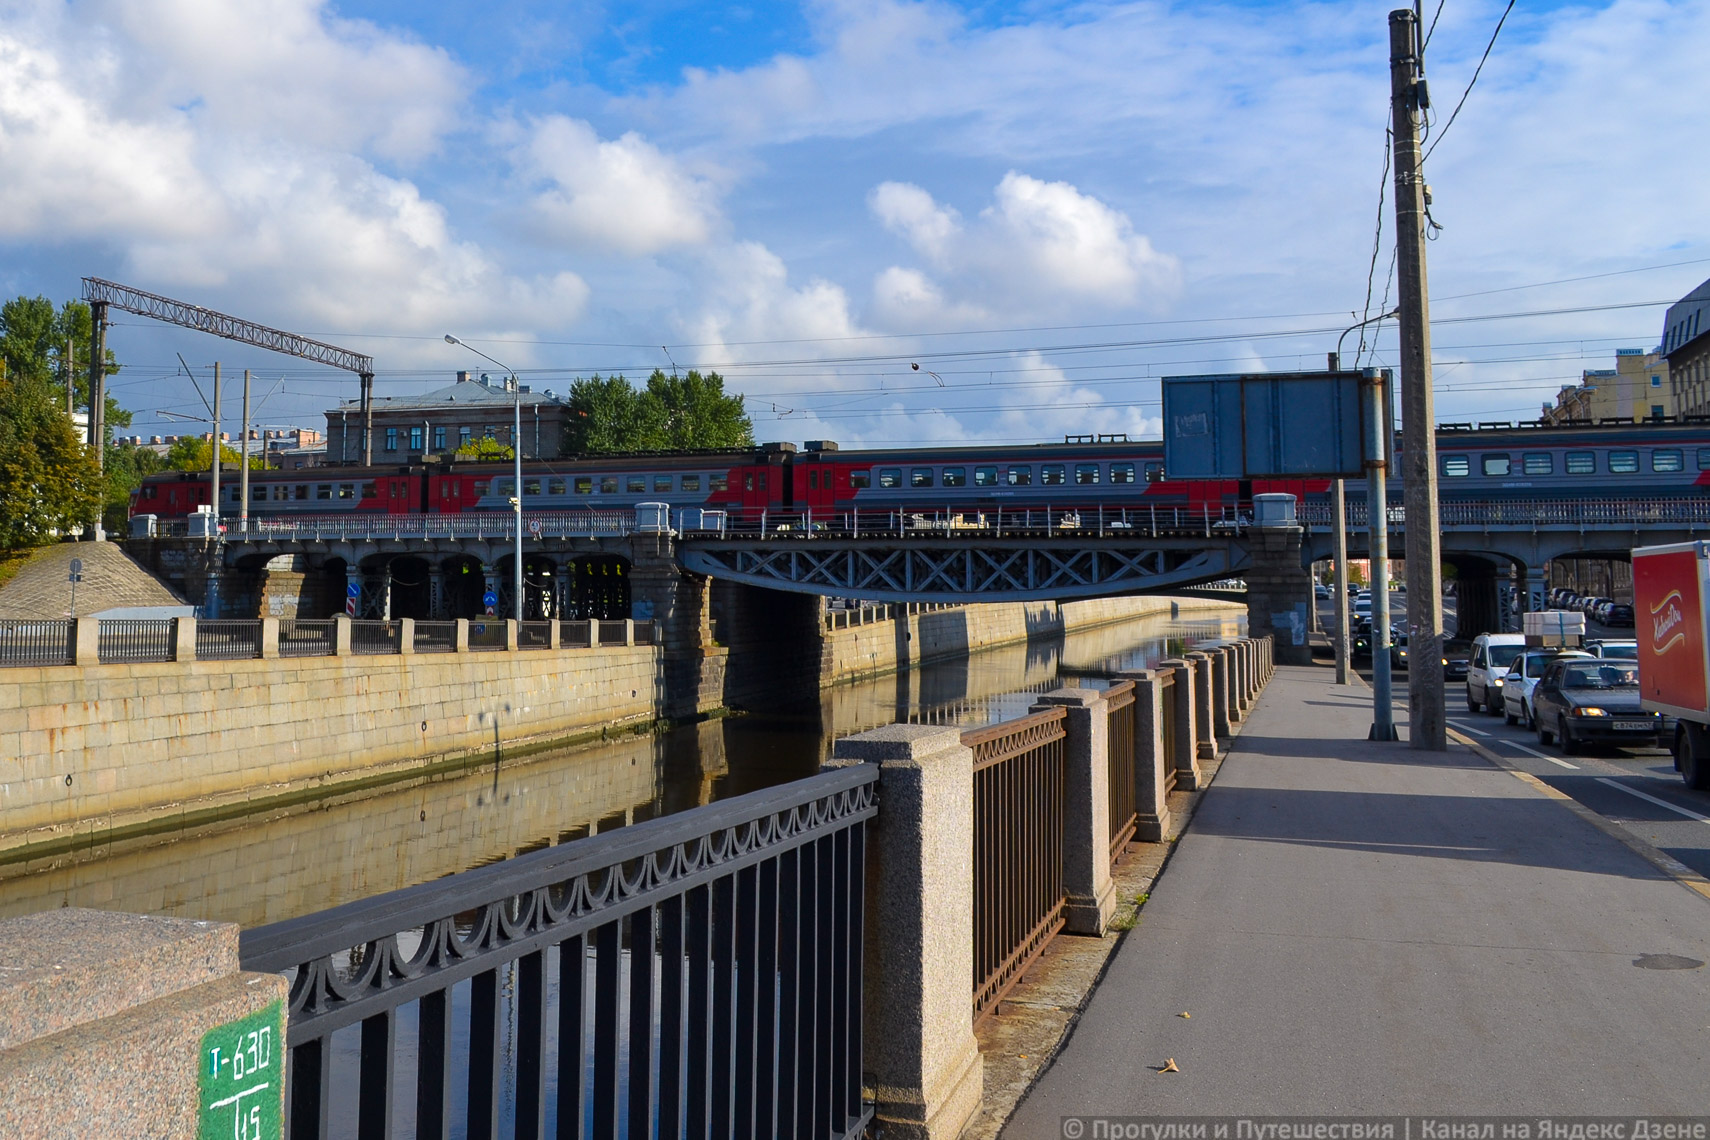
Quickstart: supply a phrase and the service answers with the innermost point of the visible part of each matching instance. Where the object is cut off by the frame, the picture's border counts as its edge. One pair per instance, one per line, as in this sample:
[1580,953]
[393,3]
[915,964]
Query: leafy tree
[126,466]
[190,453]
[49,481]
[692,411]
[33,341]
[605,415]
[485,447]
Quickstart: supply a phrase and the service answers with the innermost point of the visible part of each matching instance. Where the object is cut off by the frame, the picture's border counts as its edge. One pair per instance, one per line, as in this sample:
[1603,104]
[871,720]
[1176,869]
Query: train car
[1667,460]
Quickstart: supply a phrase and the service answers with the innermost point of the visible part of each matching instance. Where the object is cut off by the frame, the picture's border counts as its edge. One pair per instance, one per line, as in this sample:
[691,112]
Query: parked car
[1620,614]
[1321,591]
[1454,668]
[1584,702]
[1523,674]
[1492,653]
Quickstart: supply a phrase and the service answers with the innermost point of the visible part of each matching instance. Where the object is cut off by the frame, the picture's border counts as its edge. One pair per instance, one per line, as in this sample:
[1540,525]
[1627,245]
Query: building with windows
[441,421]
[1637,388]
[1686,346]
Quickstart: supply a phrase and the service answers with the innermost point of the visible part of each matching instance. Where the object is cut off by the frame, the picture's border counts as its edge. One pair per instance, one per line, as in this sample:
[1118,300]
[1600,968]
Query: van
[1492,653]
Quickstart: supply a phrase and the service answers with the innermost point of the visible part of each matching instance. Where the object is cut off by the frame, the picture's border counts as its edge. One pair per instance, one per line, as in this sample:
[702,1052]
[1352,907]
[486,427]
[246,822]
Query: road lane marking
[1653,799]
[1539,755]
[1469,728]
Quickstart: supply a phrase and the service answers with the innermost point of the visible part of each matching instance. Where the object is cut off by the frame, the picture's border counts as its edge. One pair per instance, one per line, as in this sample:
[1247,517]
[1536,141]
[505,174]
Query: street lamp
[516,453]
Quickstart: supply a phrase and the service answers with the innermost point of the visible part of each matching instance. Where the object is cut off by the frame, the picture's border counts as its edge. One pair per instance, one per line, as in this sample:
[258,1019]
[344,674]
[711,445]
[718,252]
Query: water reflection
[265,868]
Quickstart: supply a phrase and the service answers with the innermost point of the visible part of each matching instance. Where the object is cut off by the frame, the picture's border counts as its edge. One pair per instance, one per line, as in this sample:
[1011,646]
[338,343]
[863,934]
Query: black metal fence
[1167,680]
[126,640]
[1123,775]
[694,975]
[435,637]
[487,635]
[534,634]
[227,640]
[375,637]
[35,642]
[301,637]
[1018,848]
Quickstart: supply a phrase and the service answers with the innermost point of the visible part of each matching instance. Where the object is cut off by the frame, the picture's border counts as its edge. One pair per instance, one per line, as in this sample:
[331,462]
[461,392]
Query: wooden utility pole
[98,393]
[1426,725]
[243,470]
[215,497]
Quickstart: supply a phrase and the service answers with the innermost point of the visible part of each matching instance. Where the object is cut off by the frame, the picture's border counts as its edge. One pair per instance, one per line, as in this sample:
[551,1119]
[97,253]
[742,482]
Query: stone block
[86,641]
[1151,764]
[184,639]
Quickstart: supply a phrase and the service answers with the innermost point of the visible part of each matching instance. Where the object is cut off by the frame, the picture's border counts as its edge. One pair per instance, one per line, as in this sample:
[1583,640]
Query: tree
[33,340]
[126,466]
[692,411]
[189,453]
[48,480]
[605,415]
[485,448]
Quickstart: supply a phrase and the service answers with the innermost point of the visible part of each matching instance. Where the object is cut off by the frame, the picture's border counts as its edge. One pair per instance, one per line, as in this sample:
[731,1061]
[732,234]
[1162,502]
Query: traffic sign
[489,599]
[534,527]
[353,589]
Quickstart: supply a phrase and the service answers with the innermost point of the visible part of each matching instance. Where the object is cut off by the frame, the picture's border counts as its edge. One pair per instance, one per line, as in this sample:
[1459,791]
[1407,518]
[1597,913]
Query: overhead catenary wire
[1461,102]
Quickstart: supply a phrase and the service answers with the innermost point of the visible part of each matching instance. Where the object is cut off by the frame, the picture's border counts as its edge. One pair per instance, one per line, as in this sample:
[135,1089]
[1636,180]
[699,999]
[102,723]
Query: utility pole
[1339,584]
[243,470]
[98,392]
[1408,100]
[215,497]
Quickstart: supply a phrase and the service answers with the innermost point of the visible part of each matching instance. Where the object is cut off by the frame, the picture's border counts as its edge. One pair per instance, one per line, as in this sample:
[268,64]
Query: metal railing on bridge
[1531,513]
[884,611]
[128,640]
[36,642]
[697,974]
[478,525]
[952,522]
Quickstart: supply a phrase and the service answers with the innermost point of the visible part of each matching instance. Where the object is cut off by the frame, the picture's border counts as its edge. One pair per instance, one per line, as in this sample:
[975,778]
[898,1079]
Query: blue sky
[1047,206]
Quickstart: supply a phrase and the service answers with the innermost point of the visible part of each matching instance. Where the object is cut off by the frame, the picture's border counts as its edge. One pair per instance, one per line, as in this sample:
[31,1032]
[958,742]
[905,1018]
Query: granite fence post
[460,635]
[1204,732]
[184,639]
[512,634]
[920,1054]
[407,636]
[341,635]
[1089,894]
[1243,679]
[121,1025]
[86,641]
[269,638]
[554,634]
[1219,658]
[629,631]
[1186,755]
[1151,765]
[593,633]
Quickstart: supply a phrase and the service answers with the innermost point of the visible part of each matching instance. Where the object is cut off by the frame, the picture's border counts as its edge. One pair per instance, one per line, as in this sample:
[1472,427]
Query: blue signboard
[489,599]
[1268,425]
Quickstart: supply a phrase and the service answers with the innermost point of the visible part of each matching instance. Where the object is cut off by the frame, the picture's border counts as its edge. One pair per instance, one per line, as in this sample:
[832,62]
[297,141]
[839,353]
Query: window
[1154,472]
[257,493]
[1656,381]
[1623,462]
[1704,459]
[281,493]
[1496,465]
[1667,459]
[661,484]
[439,439]
[1581,463]
[762,480]
[1539,463]
[1051,475]
[813,480]
[531,486]
[748,481]
[637,484]
[481,488]
[608,484]
[714,483]
[920,477]
[584,484]
[1656,411]
[693,482]
[462,437]
[323,490]
[505,487]
[347,490]
[985,476]
[391,439]
[860,480]
[890,477]
[232,492]
[1456,466]
[416,435]
[1020,476]
[1122,472]
[1086,473]
[955,476]
[300,491]
[492,431]
[555,486]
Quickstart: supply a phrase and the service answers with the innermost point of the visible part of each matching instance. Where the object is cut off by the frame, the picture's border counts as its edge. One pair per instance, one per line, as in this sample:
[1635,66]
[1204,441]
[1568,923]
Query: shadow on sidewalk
[1357,751]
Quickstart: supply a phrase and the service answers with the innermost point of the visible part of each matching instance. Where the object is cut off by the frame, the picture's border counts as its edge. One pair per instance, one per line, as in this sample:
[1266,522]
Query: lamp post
[516,454]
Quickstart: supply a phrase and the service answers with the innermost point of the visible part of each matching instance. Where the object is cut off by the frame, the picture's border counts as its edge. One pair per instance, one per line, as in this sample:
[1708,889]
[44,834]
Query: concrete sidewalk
[1359,928]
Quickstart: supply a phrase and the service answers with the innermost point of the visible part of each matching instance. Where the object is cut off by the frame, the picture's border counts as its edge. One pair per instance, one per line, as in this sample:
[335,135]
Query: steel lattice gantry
[967,569]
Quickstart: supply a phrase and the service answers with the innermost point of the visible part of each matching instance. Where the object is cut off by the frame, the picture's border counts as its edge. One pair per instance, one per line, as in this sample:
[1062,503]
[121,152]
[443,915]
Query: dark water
[263,869]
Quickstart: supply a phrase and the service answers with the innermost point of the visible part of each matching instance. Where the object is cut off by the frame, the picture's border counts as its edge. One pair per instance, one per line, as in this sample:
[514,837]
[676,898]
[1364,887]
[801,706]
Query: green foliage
[485,447]
[189,453]
[49,481]
[126,466]
[672,413]
[33,342]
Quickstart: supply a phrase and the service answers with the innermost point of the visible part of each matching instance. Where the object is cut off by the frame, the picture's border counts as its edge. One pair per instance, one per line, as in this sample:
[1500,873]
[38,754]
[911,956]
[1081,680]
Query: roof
[1685,320]
[111,580]
[466,393]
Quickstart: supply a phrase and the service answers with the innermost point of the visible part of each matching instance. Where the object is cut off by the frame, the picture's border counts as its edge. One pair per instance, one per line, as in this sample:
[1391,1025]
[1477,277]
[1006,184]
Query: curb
[1661,860]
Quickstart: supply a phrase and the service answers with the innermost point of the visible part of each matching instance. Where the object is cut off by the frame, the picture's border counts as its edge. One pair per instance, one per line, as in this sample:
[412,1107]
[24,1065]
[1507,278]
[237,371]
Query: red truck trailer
[1670,587]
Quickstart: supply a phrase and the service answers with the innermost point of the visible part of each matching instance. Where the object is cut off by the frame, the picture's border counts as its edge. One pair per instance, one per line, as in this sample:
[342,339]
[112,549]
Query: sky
[883,222]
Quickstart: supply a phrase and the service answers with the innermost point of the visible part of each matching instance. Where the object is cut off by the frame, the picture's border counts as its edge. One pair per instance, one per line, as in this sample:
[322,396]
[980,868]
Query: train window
[347,490]
[1051,475]
[281,493]
[1538,463]
[531,486]
[860,480]
[1086,473]
[714,483]
[1623,462]
[1667,459]
[584,484]
[323,490]
[813,480]
[1580,463]
[762,480]
[637,484]
[1497,465]
[1154,472]
[505,487]
[920,477]
[955,476]
[1020,476]
[985,476]
[258,492]
[748,481]
[1122,472]
[890,477]
[661,484]
[149,492]
[480,488]
[1704,459]
[232,492]
[555,486]
[301,491]
[608,484]
[693,482]
[1455,466]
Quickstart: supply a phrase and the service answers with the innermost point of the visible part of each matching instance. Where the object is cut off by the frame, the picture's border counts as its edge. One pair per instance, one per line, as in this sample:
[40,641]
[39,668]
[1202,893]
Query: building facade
[439,422]
[1686,345]
[1636,389]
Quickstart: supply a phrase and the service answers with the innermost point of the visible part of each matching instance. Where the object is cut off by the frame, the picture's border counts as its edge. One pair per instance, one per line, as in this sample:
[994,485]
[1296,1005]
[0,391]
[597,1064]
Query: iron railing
[131,640]
[574,635]
[227,640]
[696,974]
[1018,848]
[435,637]
[487,635]
[375,637]
[613,633]
[478,525]
[1123,775]
[646,633]
[534,635]
[953,521]
[36,642]
[1531,512]
[1166,681]
[300,637]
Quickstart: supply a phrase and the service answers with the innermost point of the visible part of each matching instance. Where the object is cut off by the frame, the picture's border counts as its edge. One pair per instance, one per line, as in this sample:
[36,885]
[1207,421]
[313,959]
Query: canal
[263,868]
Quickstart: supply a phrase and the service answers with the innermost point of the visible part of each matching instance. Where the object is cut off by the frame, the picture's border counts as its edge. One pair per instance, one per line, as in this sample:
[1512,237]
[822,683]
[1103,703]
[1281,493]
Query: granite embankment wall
[903,642]
[90,753]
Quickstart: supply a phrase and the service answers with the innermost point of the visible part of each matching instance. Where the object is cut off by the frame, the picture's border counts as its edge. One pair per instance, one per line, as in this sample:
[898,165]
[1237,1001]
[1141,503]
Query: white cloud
[909,211]
[622,194]
[744,296]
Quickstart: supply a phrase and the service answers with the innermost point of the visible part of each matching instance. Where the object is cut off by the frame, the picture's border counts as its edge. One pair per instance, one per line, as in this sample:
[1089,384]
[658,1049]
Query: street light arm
[1395,312]
[449,339]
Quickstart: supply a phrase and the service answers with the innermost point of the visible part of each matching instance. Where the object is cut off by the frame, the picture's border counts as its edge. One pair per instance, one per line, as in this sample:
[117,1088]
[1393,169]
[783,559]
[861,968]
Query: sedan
[1584,701]
[1620,614]
[1522,676]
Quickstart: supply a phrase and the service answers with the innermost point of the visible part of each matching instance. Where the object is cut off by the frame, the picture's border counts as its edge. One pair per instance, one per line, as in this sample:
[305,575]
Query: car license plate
[1635,726]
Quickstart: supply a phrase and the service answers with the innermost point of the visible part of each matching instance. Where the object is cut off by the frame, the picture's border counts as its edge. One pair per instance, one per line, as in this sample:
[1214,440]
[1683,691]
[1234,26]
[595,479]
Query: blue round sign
[489,599]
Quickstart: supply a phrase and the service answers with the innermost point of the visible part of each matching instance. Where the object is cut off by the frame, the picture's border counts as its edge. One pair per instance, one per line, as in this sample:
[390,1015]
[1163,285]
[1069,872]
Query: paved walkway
[1363,929]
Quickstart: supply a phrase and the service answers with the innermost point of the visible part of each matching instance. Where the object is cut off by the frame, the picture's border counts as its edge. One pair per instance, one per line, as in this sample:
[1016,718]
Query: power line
[1470,82]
